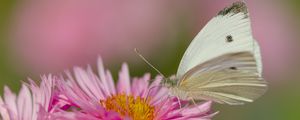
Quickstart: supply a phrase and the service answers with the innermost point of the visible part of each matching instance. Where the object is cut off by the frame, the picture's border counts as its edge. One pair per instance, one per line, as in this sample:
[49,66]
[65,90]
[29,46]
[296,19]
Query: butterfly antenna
[146,61]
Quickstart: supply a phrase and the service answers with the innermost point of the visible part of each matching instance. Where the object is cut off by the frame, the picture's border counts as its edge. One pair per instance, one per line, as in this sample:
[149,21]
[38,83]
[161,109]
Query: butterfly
[222,63]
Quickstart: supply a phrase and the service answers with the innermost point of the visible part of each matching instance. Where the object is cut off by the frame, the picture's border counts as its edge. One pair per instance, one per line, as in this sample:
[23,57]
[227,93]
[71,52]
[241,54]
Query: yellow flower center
[136,108]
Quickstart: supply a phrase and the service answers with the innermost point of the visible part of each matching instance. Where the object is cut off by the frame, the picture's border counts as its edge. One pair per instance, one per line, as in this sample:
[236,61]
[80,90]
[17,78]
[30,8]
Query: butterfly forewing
[231,78]
[228,32]
[257,57]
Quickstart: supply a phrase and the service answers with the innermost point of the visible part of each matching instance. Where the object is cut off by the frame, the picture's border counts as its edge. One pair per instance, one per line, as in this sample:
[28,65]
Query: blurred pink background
[51,35]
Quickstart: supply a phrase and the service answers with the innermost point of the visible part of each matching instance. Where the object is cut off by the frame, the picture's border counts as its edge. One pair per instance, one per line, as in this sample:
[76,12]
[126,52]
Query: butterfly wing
[227,32]
[231,78]
[257,56]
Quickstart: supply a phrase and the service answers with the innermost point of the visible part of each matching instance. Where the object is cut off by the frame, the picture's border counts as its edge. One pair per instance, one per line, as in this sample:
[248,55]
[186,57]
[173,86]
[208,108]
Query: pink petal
[157,97]
[140,86]
[86,83]
[106,86]
[200,109]
[24,103]
[110,81]
[124,80]
[46,90]
[96,82]
[10,100]
[3,111]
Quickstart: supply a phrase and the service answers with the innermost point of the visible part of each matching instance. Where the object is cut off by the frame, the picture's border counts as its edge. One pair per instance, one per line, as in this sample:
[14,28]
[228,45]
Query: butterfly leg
[179,102]
[195,104]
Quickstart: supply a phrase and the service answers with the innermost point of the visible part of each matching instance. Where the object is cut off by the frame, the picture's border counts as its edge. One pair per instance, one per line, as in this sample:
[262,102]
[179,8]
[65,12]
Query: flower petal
[85,83]
[110,81]
[124,80]
[10,100]
[24,104]
[199,109]
[3,110]
[106,83]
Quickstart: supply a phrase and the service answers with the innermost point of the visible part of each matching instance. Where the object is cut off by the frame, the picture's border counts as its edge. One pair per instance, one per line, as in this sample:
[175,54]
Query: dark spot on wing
[229,38]
[235,8]
[233,68]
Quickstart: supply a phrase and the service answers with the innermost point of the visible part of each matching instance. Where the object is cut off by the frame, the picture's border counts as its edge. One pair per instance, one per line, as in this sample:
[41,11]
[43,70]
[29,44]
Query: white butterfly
[223,62]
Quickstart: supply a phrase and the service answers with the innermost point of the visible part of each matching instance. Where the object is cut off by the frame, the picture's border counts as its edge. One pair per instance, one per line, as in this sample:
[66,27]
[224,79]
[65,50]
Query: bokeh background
[49,36]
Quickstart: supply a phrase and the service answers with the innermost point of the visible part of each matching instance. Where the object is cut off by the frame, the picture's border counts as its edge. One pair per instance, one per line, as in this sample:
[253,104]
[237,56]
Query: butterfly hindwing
[232,78]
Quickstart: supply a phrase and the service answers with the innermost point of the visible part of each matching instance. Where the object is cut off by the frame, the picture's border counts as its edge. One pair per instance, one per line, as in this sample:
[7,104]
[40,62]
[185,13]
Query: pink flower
[97,97]
[32,103]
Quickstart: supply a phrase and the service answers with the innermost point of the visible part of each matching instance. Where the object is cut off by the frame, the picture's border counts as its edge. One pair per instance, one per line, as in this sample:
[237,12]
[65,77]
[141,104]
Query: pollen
[136,108]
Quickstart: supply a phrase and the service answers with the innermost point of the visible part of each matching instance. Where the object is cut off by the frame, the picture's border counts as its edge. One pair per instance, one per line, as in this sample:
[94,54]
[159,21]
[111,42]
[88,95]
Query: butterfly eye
[229,38]
[233,68]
